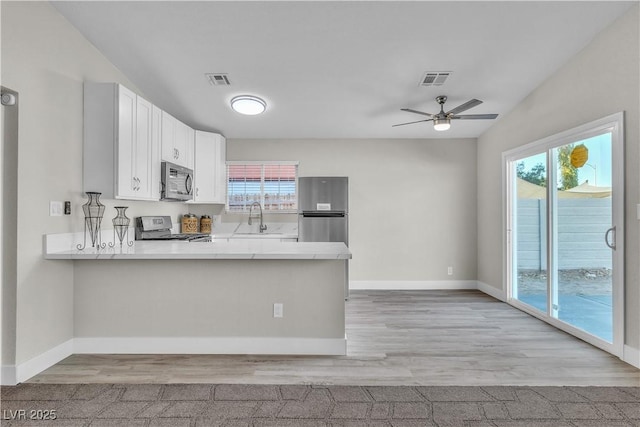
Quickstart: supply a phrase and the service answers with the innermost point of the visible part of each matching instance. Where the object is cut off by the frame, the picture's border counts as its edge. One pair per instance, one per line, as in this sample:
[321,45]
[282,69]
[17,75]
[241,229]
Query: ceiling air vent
[434,78]
[218,79]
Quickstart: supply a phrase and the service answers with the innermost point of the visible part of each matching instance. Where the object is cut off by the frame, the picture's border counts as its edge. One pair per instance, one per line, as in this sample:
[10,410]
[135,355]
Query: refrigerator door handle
[323,214]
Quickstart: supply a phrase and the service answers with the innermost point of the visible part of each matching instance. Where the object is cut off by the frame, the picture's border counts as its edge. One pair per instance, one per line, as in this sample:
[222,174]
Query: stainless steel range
[159,228]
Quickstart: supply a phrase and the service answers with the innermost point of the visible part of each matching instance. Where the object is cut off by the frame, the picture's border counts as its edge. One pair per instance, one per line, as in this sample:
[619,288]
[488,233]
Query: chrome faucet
[263,226]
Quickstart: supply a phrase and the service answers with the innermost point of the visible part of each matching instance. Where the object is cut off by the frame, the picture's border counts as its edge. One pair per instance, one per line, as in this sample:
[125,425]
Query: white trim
[8,375]
[211,345]
[43,361]
[411,284]
[498,294]
[631,356]
[585,131]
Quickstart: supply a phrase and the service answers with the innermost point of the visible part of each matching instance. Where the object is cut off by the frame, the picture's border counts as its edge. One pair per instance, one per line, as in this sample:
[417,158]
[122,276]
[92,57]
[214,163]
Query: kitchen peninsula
[220,297]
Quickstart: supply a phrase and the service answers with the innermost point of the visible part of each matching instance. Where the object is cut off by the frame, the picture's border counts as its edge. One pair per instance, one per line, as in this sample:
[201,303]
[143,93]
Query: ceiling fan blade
[410,123]
[465,106]
[416,111]
[475,116]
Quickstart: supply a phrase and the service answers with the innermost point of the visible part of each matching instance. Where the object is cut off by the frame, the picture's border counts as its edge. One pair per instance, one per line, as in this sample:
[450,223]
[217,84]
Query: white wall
[599,81]
[412,207]
[46,61]
[209,298]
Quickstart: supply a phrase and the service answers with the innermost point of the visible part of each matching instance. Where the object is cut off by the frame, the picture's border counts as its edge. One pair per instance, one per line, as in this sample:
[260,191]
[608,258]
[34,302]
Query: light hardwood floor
[394,338]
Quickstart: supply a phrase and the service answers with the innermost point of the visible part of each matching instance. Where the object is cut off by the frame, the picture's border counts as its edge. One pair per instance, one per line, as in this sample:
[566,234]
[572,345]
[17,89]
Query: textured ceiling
[337,69]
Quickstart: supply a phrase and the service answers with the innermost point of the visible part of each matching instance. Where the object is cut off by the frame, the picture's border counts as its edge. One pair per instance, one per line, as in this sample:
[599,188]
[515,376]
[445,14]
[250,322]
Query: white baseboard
[8,375]
[491,291]
[212,345]
[631,356]
[411,284]
[28,369]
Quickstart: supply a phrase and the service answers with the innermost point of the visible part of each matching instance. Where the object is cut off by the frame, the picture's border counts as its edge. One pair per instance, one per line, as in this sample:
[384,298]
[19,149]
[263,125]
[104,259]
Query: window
[272,184]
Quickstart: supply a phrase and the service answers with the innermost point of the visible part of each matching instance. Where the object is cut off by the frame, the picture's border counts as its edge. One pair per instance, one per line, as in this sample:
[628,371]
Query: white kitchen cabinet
[210,173]
[177,141]
[156,154]
[119,144]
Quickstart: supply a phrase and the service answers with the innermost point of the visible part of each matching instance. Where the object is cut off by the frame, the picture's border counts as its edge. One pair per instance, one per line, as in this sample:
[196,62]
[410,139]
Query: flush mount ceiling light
[248,104]
[441,124]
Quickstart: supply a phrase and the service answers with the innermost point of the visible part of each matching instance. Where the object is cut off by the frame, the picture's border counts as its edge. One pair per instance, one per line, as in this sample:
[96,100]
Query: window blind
[273,185]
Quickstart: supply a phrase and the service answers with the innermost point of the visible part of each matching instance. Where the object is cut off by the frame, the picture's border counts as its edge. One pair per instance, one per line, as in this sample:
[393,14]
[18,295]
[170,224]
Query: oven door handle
[189,183]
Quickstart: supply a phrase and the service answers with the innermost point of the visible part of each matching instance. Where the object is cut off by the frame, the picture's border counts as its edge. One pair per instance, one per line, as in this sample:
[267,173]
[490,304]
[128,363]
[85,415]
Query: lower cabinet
[210,174]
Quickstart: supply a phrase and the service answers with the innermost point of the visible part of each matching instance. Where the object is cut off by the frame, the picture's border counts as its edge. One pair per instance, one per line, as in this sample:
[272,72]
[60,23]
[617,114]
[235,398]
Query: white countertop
[232,249]
[224,230]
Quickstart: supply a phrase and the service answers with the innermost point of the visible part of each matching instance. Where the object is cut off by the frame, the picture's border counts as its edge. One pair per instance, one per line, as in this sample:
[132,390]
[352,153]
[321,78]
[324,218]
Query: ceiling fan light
[441,124]
[248,104]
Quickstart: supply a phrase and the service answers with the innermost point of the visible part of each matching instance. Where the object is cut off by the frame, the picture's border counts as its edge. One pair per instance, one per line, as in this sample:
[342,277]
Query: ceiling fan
[442,120]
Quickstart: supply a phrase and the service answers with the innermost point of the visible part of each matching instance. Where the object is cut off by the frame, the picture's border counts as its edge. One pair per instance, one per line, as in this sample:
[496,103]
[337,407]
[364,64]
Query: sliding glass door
[564,207]
[530,203]
[583,238]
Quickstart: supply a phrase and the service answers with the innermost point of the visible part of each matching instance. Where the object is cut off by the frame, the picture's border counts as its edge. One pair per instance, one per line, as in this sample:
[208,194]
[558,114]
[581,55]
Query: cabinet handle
[178,153]
[197,191]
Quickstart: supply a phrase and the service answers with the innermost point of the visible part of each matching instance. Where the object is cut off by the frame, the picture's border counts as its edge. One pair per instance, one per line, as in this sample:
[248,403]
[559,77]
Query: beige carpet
[195,405]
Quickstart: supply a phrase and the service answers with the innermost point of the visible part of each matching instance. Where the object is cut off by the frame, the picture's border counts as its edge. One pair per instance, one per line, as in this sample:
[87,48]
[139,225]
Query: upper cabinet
[156,152]
[210,174]
[177,141]
[121,143]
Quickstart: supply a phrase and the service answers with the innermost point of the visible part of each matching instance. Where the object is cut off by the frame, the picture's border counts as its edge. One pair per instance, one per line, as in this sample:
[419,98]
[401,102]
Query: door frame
[615,125]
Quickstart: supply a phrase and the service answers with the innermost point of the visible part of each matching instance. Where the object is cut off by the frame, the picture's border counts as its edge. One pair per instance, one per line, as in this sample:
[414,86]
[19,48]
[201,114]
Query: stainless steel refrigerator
[323,211]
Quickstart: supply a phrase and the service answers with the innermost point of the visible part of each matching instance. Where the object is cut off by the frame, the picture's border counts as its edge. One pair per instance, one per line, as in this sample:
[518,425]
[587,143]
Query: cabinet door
[168,137]
[220,170]
[143,149]
[180,143]
[125,144]
[189,148]
[204,172]
[156,151]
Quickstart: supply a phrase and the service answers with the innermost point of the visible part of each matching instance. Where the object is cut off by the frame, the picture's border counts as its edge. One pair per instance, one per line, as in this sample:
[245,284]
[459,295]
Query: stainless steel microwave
[177,182]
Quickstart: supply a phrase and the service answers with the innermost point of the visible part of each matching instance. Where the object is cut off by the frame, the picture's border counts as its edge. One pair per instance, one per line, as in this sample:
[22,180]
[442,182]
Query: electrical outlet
[450,271]
[56,208]
[278,309]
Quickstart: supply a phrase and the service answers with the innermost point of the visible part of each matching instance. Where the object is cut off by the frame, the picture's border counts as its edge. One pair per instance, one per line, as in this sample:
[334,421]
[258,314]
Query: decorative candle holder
[93,213]
[121,227]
